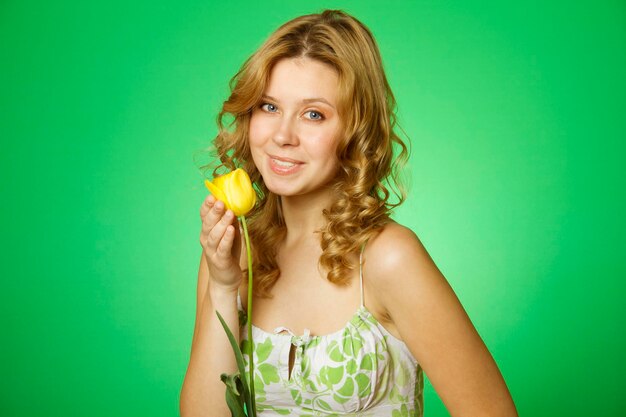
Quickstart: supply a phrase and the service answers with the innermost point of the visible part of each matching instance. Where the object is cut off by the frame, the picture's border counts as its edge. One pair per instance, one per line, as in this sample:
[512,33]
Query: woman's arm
[434,326]
[203,393]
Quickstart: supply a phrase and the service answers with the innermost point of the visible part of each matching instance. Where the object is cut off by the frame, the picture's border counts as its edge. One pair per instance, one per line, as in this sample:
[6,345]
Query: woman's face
[293,132]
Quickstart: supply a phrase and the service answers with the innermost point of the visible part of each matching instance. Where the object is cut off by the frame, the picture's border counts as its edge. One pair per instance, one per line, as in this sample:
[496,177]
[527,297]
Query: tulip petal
[220,182]
[246,195]
[226,185]
[235,190]
[242,182]
[217,193]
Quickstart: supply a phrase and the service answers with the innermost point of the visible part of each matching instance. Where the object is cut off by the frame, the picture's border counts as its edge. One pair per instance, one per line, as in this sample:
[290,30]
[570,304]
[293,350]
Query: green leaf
[310,385]
[240,365]
[296,395]
[259,384]
[314,341]
[366,362]
[323,377]
[264,349]
[340,400]
[306,367]
[234,401]
[269,373]
[351,367]
[231,382]
[335,375]
[348,345]
[394,395]
[357,343]
[403,412]
[334,352]
[323,404]
[363,382]
[348,388]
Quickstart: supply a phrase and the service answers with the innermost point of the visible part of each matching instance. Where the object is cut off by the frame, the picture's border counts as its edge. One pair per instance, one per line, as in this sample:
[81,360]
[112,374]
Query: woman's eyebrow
[305,101]
[317,99]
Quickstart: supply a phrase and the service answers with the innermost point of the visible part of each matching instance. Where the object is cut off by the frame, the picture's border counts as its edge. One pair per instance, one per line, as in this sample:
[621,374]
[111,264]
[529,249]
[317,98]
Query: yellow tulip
[235,190]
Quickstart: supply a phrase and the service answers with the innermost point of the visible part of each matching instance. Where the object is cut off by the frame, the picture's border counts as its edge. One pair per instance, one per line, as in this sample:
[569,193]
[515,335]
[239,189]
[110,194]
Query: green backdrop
[516,119]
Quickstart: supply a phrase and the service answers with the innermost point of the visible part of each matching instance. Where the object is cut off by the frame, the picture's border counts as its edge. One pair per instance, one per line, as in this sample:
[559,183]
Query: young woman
[349,309]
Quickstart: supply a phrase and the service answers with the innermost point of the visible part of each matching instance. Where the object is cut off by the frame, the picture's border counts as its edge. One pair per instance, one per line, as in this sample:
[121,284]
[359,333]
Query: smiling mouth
[284,166]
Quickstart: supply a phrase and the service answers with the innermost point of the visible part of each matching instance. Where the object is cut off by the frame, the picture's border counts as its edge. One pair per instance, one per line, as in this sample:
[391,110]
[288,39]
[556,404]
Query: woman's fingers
[206,206]
[218,233]
[213,216]
[220,242]
[226,244]
[218,228]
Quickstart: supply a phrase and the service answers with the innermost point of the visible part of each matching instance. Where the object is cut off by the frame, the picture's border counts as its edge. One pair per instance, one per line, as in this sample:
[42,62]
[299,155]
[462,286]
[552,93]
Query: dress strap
[361,271]
[239,305]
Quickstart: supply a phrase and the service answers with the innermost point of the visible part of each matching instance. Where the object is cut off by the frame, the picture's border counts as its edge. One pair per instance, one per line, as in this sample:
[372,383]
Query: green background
[516,118]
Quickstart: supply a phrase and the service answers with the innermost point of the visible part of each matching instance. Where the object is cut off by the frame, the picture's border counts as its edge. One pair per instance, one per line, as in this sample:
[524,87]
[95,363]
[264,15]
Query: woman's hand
[221,241]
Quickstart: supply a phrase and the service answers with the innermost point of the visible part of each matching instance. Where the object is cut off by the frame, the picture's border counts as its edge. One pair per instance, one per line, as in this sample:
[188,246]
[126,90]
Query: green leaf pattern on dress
[361,369]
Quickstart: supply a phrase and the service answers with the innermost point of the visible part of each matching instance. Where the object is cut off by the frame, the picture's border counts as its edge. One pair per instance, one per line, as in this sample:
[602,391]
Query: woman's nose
[285,133]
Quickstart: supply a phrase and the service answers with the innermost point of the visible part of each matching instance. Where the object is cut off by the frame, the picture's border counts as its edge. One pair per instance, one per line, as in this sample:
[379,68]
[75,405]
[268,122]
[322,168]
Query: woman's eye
[314,115]
[269,107]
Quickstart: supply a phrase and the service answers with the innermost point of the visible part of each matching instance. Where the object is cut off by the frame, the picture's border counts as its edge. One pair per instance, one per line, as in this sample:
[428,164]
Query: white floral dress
[360,370]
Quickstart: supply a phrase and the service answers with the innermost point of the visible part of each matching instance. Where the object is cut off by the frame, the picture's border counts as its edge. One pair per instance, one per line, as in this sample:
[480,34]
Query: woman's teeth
[283,163]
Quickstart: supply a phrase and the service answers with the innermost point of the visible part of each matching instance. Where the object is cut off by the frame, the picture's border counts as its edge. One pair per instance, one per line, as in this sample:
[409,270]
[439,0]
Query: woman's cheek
[260,130]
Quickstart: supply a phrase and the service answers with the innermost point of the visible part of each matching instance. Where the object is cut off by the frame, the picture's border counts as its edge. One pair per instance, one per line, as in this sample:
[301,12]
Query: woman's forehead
[303,79]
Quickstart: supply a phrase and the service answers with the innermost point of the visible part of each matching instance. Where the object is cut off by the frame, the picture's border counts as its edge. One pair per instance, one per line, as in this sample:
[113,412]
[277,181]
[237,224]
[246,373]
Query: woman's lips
[284,166]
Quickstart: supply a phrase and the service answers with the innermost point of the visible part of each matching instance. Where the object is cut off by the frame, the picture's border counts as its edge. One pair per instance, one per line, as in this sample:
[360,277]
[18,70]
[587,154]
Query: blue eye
[268,107]
[314,115]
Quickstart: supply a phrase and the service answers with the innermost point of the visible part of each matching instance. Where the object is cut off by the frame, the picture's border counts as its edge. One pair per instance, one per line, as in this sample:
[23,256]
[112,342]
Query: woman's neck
[303,215]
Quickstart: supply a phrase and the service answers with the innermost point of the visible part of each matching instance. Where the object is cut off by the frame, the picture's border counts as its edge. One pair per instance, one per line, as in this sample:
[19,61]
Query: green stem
[250,344]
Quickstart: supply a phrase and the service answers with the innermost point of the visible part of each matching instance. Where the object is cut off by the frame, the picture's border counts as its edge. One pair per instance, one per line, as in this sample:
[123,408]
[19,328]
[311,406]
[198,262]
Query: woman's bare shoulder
[396,262]
[391,248]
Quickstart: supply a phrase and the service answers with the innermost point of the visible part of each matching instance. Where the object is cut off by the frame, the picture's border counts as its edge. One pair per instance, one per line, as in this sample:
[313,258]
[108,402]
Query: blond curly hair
[369,150]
